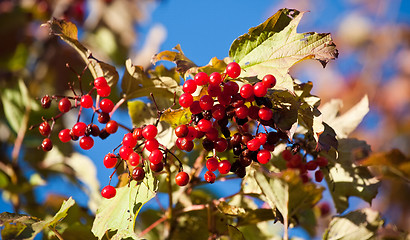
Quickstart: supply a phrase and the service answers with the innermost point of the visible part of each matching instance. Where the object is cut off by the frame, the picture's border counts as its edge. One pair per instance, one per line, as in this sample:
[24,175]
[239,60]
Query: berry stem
[119,103]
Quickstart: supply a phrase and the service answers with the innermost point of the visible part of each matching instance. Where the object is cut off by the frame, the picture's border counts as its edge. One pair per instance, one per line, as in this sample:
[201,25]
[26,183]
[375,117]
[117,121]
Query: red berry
[46,101]
[224,167]
[149,132]
[262,137]
[215,78]
[125,152]
[44,128]
[137,134]
[269,147]
[263,156]
[100,82]
[64,105]
[242,112]
[265,113]
[287,155]
[129,141]
[46,145]
[111,127]
[212,134]
[93,130]
[204,125]
[79,129]
[110,160]
[106,105]
[324,208]
[156,167]
[86,101]
[103,117]
[86,142]
[192,133]
[181,131]
[186,145]
[138,174]
[189,86]
[296,161]
[210,177]
[233,70]
[201,78]
[214,90]
[322,161]
[212,164]
[108,192]
[134,159]
[195,108]
[64,135]
[259,89]
[206,102]
[186,100]
[230,88]
[269,81]
[221,145]
[218,112]
[182,179]
[151,144]
[224,99]
[104,91]
[312,165]
[253,144]
[156,156]
[254,112]
[246,91]
[318,176]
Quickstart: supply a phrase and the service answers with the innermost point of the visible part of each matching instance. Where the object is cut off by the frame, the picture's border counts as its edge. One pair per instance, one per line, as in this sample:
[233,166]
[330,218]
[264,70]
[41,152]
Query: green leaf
[60,215]
[327,139]
[345,178]
[176,117]
[119,213]
[67,31]
[274,46]
[360,224]
[234,233]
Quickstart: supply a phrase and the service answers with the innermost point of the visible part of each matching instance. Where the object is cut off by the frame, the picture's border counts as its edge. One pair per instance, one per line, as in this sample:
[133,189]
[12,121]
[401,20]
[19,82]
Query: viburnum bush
[241,121]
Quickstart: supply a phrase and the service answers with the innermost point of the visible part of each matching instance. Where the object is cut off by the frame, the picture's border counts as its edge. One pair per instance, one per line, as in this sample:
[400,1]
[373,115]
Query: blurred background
[373,38]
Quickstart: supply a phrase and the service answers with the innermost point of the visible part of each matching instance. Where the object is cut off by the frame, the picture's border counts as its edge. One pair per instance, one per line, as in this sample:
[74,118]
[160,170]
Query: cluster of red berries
[296,161]
[81,131]
[131,151]
[224,104]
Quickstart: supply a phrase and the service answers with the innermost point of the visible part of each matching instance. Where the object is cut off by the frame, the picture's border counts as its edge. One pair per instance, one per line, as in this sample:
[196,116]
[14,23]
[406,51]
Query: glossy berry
[100,82]
[64,105]
[110,160]
[137,134]
[215,78]
[93,130]
[218,112]
[129,141]
[195,108]
[318,176]
[182,179]
[134,159]
[156,156]
[269,81]
[212,164]
[254,112]
[262,137]
[220,145]
[103,117]
[86,142]
[224,99]
[189,86]
[192,133]
[86,101]
[253,144]
[64,135]
[156,167]
[186,100]
[111,127]
[104,91]
[108,192]
[210,177]
[79,129]
[46,101]
[149,132]
[265,113]
[263,156]
[230,88]
[233,70]
[46,145]
[259,89]
[214,90]
[44,128]
[242,112]
[246,91]
[125,152]
[106,105]
[204,125]
[212,134]
[206,102]
[201,78]
[138,174]
[186,145]
[181,131]
[224,167]
[151,144]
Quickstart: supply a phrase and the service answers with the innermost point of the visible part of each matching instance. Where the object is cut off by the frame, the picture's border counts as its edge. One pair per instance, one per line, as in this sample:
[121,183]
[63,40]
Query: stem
[170,201]
[58,235]
[119,103]
[153,225]
[20,136]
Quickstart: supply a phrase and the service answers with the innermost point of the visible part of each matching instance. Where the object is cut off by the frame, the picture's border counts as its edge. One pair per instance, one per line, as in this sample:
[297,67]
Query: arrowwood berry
[246,91]
[318,176]
[93,130]
[287,155]
[215,78]
[195,108]
[296,161]
[186,145]
[86,101]
[212,134]
[218,112]
[129,141]
[108,192]
[259,89]
[210,177]
[245,138]
[269,147]
[265,113]
[262,137]
[149,132]
[224,167]
[156,167]
[47,145]
[322,161]
[103,117]
[104,91]
[137,133]
[253,144]
[138,174]
[181,131]
[186,100]
[269,81]
[242,112]
[204,125]
[224,99]
[151,144]
[311,165]
[156,156]
[264,156]
[64,135]
[189,86]
[201,78]
[214,90]
[100,82]
[125,152]
[46,101]
[79,129]
[230,88]
[182,179]
[233,70]
[254,112]
[220,145]
[192,133]
[64,105]
[44,128]
[106,105]
[110,160]
[111,127]
[212,164]
[208,144]
[206,102]
[134,159]
[86,142]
